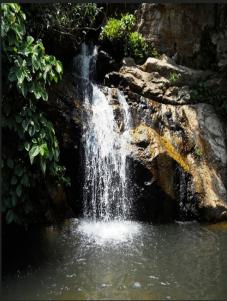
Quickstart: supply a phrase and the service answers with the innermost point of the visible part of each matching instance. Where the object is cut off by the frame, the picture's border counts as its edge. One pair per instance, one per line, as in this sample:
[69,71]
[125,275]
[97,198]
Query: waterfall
[105,191]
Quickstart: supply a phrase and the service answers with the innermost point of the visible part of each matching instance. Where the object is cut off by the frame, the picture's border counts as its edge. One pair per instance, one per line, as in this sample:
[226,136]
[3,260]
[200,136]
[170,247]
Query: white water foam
[111,232]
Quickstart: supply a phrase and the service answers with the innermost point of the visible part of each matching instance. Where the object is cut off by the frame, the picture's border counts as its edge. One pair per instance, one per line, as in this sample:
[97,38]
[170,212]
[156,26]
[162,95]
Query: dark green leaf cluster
[62,21]
[30,147]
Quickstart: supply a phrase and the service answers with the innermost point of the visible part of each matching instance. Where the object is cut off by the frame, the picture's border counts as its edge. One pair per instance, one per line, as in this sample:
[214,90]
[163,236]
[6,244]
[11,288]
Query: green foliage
[137,46]
[115,29]
[71,15]
[128,22]
[174,77]
[30,147]
[197,152]
[120,33]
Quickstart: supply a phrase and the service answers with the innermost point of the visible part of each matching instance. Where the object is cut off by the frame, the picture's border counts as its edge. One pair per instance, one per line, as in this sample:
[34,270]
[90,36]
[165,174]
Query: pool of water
[121,260]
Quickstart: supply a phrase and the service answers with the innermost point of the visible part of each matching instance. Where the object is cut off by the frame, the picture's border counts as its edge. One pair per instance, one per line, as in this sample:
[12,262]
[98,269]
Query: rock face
[64,110]
[178,149]
[194,34]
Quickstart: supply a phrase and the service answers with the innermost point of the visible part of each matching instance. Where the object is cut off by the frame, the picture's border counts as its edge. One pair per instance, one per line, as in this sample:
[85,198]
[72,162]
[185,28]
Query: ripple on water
[124,260]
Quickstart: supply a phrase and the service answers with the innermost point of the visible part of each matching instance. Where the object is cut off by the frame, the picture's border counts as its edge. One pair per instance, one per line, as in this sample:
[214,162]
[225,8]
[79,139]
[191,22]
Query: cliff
[178,142]
[196,34]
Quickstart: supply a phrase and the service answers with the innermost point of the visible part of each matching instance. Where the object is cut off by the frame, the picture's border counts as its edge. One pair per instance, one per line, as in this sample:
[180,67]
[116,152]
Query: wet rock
[182,145]
[176,95]
[105,64]
[181,150]
[142,140]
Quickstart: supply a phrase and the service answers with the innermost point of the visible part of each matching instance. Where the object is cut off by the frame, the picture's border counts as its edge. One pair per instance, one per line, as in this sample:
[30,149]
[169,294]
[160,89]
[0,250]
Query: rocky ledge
[178,146]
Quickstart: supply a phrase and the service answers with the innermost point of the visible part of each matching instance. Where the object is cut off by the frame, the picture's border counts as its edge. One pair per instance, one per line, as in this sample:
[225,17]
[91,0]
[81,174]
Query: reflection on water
[123,260]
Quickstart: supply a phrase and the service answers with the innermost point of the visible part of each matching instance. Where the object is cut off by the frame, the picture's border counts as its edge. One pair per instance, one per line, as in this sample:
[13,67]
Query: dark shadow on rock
[150,202]
[163,192]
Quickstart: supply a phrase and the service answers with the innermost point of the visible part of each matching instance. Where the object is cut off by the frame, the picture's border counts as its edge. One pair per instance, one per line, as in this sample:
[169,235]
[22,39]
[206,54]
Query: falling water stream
[105,255]
[105,183]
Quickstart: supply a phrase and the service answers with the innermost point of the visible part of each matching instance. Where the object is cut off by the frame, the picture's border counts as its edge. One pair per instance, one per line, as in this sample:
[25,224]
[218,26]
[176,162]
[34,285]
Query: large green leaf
[43,149]
[59,67]
[34,151]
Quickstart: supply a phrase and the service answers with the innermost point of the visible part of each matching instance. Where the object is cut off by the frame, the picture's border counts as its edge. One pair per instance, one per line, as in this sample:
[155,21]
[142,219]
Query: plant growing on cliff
[116,29]
[30,149]
[119,34]
[197,152]
[174,77]
[137,46]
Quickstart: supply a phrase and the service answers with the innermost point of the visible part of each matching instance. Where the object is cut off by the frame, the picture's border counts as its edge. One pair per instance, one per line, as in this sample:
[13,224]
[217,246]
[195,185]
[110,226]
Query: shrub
[128,22]
[137,46]
[30,148]
[120,36]
[113,30]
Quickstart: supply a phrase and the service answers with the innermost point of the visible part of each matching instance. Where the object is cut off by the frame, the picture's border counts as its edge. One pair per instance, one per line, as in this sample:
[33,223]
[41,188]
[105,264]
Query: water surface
[122,260]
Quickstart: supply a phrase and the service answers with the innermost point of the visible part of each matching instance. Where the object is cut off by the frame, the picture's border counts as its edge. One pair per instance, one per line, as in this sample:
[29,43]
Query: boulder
[158,79]
[166,67]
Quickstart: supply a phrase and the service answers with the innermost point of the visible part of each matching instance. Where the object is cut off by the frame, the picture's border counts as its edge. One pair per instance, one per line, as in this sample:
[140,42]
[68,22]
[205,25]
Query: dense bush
[119,33]
[116,29]
[137,46]
[30,151]
[113,31]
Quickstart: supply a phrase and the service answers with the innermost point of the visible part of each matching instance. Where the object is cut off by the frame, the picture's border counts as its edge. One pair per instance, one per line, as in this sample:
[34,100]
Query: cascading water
[105,182]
